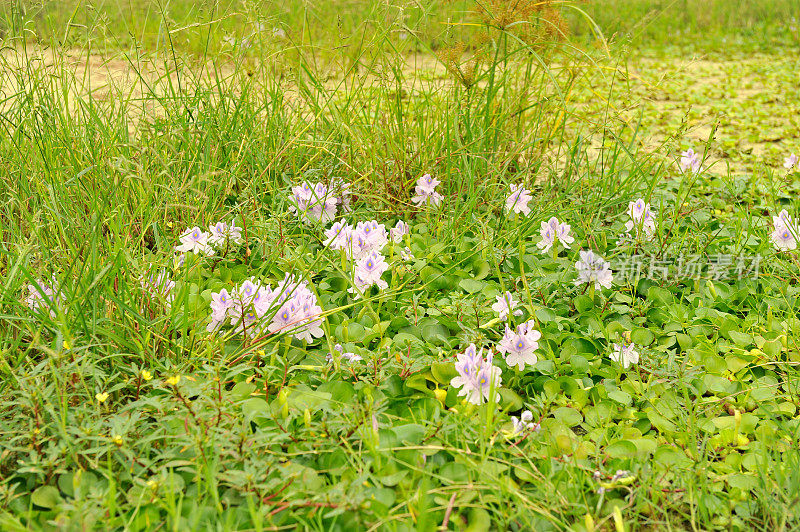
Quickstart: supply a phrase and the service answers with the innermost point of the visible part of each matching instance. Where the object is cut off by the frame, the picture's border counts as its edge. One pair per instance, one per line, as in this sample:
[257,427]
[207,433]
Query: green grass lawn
[163,371]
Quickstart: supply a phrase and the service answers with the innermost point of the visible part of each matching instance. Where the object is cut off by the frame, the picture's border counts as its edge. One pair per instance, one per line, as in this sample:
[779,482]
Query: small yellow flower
[101,397]
[146,375]
[169,224]
[117,439]
[66,345]
[173,381]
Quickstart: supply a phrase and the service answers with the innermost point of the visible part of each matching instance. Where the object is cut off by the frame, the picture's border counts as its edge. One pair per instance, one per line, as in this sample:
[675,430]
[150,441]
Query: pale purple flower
[399,231]
[477,377]
[784,236]
[690,160]
[553,230]
[524,423]
[624,354]
[357,242]
[221,302]
[195,241]
[506,304]
[221,234]
[159,285]
[518,200]
[350,357]
[337,235]
[548,237]
[313,202]
[427,184]
[44,297]
[289,308]
[790,161]
[786,231]
[406,254]
[426,191]
[642,218]
[593,269]
[374,234]
[519,346]
[368,271]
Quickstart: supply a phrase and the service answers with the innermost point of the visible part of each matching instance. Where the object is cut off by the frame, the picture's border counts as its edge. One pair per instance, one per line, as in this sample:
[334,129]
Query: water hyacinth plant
[478,378]
[425,191]
[690,161]
[593,270]
[785,232]
[266,316]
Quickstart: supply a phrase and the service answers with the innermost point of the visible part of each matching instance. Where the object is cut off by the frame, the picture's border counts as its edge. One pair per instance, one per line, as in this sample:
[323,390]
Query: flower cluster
[505,305]
[426,191]
[518,200]
[786,231]
[524,422]
[255,309]
[160,286]
[400,230]
[218,237]
[350,357]
[45,297]
[319,202]
[593,269]
[791,161]
[641,218]
[553,230]
[477,377]
[519,346]
[359,241]
[368,271]
[195,240]
[223,235]
[690,161]
[625,355]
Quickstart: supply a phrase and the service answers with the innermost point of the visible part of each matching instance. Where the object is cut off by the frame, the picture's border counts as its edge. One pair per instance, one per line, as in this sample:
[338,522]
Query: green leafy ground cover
[121,411]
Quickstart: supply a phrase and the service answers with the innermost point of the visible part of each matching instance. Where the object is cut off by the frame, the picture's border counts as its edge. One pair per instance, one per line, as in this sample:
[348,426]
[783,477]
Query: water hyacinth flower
[690,161]
[368,271]
[159,285]
[477,376]
[518,200]
[519,345]
[195,241]
[551,231]
[593,270]
[505,305]
[357,242]
[400,230]
[625,355]
[350,357]
[220,303]
[317,202]
[426,191]
[337,235]
[255,309]
[44,297]
[406,255]
[221,234]
[524,423]
[791,161]
[784,236]
[641,218]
